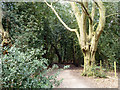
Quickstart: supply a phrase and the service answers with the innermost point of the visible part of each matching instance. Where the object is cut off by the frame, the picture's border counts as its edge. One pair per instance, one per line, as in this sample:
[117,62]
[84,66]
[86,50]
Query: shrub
[95,71]
[98,73]
[26,69]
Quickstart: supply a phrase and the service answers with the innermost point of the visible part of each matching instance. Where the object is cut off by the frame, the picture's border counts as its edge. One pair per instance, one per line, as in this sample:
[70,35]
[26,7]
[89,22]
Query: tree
[87,41]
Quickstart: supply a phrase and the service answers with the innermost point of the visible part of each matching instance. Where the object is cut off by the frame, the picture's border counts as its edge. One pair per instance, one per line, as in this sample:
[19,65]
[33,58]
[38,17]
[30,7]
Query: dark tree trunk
[73,53]
[65,54]
[59,57]
[57,53]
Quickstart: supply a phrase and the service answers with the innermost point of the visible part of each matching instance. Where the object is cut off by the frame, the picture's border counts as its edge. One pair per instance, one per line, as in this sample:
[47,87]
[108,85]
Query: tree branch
[85,10]
[59,17]
[81,20]
[93,11]
[91,28]
[101,24]
[75,30]
[95,25]
[112,14]
[96,3]
[106,17]
[76,13]
[78,36]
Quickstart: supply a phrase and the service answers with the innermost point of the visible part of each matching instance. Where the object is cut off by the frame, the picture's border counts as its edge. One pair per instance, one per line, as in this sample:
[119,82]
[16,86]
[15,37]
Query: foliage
[26,69]
[26,66]
[108,47]
[32,25]
[96,72]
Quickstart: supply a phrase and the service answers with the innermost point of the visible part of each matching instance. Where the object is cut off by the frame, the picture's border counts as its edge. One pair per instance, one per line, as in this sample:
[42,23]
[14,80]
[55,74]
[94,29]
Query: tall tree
[87,41]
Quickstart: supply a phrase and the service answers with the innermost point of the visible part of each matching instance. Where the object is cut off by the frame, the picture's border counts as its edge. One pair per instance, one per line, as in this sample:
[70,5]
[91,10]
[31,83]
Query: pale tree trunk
[4,35]
[1,27]
[87,41]
[1,32]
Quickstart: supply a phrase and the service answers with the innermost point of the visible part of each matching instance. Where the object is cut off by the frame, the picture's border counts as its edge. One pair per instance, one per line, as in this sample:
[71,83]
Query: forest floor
[72,79]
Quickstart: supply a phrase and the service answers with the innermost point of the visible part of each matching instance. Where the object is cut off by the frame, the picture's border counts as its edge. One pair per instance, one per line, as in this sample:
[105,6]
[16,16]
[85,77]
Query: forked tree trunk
[87,41]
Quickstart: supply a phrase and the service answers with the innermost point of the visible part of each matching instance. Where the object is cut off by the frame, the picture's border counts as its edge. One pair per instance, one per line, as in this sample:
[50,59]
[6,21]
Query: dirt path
[71,81]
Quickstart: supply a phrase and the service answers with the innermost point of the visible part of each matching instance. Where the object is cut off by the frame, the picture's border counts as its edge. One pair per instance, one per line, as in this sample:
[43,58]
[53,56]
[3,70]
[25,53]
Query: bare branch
[76,12]
[93,11]
[106,17]
[96,3]
[75,30]
[81,20]
[95,25]
[59,17]
[101,24]
[85,10]
[112,14]
[91,22]
[78,36]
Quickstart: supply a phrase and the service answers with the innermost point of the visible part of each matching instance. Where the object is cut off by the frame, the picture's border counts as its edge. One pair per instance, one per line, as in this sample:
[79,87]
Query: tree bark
[89,60]
[88,41]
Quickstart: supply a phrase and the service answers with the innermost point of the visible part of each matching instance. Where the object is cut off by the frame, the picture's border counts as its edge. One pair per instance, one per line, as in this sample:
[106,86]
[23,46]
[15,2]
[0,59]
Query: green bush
[26,69]
[97,72]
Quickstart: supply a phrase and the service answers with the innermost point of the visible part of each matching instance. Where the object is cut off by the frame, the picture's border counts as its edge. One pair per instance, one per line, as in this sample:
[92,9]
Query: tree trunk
[65,58]
[89,61]
[87,41]
[73,53]
[59,58]
[89,55]
[57,53]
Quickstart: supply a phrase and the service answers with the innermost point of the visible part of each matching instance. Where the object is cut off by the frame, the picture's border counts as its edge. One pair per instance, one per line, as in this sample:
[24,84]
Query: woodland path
[72,79]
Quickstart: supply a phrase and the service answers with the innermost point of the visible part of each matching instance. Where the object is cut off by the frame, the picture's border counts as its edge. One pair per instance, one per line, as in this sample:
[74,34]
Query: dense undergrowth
[26,70]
